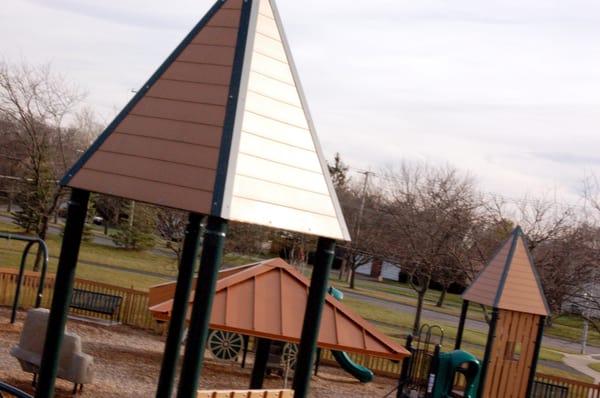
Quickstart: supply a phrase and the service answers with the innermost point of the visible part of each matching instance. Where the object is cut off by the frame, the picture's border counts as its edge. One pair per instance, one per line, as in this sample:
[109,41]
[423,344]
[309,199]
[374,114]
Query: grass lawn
[595,366]
[568,327]
[159,266]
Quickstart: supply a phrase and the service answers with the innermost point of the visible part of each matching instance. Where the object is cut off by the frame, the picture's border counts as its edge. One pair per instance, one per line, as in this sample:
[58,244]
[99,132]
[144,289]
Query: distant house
[380,269]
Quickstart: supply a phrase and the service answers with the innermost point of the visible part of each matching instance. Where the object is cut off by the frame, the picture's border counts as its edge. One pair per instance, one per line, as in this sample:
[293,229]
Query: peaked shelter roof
[509,280]
[268,299]
[221,128]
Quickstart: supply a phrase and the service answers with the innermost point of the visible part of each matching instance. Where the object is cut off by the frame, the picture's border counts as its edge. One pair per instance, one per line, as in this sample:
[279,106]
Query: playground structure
[260,300]
[221,130]
[43,249]
[510,286]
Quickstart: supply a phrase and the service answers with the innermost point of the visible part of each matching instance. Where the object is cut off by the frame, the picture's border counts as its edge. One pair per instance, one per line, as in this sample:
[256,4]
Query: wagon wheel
[289,355]
[225,345]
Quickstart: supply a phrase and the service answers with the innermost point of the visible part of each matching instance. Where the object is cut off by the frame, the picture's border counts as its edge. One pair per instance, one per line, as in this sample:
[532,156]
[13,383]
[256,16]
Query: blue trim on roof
[231,110]
[140,94]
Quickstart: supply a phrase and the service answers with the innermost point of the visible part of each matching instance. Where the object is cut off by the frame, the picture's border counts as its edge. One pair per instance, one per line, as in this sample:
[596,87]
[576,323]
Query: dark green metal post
[405,369]
[212,255]
[488,352]
[536,354]
[461,324]
[261,358]
[183,288]
[63,287]
[312,315]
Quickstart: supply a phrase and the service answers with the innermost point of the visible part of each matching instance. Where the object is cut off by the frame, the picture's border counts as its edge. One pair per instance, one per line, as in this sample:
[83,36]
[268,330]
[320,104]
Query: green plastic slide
[362,374]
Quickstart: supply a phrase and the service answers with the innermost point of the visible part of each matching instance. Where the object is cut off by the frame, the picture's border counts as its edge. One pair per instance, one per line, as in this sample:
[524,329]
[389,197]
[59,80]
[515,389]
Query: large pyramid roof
[221,128]
[268,299]
[510,281]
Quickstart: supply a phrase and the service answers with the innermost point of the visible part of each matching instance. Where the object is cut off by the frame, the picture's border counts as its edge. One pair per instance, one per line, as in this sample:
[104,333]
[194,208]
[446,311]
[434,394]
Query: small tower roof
[221,128]
[509,280]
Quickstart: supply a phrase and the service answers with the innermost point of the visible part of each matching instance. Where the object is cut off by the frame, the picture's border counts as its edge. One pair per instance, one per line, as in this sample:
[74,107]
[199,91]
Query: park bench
[278,393]
[100,303]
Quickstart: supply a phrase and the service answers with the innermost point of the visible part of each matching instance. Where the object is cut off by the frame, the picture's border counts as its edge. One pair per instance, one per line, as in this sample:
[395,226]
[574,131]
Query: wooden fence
[576,389]
[134,312]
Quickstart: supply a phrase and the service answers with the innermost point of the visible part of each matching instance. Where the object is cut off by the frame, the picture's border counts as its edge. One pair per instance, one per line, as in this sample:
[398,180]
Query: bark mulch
[127,363]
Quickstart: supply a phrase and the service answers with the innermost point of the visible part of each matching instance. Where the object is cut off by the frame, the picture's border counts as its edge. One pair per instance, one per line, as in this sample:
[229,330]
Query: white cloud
[509,90]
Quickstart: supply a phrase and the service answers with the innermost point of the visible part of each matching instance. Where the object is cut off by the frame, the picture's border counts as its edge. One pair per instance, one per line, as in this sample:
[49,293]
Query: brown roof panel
[268,300]
[509,281]
[164,147]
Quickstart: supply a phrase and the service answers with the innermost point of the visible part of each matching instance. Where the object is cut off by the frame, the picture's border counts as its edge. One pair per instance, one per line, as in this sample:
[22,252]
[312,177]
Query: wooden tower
[510,285]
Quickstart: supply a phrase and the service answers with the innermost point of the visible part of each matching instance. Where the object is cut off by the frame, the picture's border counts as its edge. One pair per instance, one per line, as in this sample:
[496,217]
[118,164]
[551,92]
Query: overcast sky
[508,90]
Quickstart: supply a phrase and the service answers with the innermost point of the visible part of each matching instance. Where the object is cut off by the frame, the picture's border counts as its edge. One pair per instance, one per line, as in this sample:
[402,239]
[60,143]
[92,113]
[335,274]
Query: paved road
[548,342]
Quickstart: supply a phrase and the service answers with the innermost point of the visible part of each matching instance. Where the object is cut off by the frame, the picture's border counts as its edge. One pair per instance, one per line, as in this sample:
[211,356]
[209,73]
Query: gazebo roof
[268,299]
[221,128]
[510,281]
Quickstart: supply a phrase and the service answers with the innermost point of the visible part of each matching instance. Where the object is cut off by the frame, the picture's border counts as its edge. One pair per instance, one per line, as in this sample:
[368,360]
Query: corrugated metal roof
[221,128]
[268,300]
[510,281]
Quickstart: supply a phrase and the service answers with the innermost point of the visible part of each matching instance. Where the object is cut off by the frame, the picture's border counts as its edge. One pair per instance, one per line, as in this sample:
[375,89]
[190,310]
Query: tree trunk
[420,300]
[105,223]
[442,297]
[342,270]
[352,277]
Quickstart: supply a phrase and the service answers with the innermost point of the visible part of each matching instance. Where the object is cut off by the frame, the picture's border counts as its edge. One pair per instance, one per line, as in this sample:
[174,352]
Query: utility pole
[362,203]
[361,210]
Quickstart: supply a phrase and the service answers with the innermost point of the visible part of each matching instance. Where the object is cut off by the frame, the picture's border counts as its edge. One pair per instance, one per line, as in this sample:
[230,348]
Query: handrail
[31,240]
[13,391]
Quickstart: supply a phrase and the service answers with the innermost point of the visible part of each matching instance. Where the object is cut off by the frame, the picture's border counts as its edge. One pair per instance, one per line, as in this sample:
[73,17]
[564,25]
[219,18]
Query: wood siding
[165,150]
[279,180]
[485,287]
[508,375]
[509,281]
[521,291]
[265,300]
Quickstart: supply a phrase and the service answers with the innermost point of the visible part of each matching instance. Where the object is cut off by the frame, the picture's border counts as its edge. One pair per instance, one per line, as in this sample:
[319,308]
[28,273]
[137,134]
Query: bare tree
[170,225]
[431,209]
[38,104]
[361,204]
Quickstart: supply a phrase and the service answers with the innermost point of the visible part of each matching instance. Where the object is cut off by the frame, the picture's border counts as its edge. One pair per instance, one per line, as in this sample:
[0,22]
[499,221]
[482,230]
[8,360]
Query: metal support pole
[405,370]
[488,352]
[183,288]
[433,370]
[63,288]
[210,261]
[246,339]
[317,361]
[461,324]
[263,347]
[312,315]
[536,354]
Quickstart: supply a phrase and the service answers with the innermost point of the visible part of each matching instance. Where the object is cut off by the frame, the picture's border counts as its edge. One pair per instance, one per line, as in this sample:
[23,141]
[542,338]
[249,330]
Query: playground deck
[127,364]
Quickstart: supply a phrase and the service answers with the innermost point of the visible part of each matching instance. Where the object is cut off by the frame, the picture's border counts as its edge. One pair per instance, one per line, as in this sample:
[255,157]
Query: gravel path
[127,363]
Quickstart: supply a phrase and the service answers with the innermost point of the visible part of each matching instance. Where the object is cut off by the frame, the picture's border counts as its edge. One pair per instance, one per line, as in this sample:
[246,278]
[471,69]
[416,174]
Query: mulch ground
[127,363]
